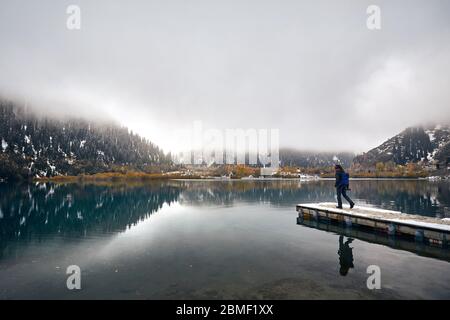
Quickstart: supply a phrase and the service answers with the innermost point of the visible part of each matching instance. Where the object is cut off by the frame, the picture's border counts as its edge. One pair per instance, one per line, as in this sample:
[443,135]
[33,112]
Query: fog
[311,69]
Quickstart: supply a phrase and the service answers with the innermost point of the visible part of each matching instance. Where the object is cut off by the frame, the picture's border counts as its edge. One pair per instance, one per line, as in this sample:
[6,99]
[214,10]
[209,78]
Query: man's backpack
[346,180]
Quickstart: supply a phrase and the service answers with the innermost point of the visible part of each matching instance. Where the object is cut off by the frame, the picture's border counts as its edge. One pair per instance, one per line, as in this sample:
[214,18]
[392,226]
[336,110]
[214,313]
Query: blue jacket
[341,179]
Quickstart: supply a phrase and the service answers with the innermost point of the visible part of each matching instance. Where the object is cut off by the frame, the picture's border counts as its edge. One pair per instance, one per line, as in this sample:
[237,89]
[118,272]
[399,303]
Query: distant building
[268,172]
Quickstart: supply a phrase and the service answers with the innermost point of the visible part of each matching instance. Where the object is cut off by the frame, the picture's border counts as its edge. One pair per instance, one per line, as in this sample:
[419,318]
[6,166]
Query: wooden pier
[426,230]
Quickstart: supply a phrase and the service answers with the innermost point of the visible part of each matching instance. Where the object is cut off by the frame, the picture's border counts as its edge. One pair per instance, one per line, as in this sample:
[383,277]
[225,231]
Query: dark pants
[342,190]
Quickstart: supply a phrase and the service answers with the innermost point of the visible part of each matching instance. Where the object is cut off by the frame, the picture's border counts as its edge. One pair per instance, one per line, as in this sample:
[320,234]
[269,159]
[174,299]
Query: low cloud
[312,70]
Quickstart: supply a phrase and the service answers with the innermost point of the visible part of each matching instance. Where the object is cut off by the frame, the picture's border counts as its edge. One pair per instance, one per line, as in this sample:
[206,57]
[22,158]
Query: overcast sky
[309,68]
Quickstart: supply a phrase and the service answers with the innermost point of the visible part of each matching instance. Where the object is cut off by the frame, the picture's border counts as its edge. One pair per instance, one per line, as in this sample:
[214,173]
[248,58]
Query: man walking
[342,183]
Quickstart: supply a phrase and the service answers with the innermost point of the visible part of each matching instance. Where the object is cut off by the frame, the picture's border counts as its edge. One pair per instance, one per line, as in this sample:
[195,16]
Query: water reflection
[416,197]
[409,196]
[345,253]
[36,211]
[30,212]
[206,240]
[278,193]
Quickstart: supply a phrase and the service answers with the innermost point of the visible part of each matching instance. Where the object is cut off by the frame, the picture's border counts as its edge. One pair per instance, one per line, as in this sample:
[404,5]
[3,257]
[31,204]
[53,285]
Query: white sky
[311,69]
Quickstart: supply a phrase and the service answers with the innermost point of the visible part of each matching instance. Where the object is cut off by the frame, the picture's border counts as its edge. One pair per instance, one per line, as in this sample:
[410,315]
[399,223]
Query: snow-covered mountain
[428,144]
[32,146]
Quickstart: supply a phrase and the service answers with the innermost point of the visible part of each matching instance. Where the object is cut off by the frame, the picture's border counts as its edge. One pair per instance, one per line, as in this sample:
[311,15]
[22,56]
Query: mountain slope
[36,147]
[310,159]
[415,144]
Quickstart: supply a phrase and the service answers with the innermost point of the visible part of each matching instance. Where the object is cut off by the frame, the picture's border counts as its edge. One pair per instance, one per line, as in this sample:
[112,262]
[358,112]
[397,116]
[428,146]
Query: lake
[211,240]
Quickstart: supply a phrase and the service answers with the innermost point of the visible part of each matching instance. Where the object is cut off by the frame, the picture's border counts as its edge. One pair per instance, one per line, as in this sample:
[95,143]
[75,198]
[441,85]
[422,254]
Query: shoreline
[118,177]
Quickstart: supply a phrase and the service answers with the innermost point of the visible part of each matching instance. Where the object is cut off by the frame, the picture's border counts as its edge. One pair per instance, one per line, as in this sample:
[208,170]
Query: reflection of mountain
[410,196]
[35,210]
[418,197]
[282,193]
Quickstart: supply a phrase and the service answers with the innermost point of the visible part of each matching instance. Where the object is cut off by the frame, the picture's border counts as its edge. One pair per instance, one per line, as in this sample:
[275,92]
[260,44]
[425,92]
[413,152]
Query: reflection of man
[345,255]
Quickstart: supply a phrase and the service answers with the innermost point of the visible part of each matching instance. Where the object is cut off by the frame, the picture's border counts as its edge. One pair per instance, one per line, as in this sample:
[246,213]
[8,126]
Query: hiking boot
[338,207]
[352,205]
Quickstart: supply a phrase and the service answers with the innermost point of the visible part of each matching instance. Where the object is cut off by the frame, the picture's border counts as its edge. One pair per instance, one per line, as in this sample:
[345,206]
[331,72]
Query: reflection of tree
[282,193]
[410,196]
[443,197]
[31,211]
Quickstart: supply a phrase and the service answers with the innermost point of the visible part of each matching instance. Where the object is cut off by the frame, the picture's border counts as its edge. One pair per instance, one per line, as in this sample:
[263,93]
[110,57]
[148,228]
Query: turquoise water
[210,240]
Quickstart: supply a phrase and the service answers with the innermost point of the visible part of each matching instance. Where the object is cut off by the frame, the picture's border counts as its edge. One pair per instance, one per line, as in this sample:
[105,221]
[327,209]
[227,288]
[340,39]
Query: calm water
[210,240]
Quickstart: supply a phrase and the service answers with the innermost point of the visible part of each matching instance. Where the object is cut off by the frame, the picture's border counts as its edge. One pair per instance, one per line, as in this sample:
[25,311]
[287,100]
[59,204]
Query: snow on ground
[4,145]
[430,134]
[384,215]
